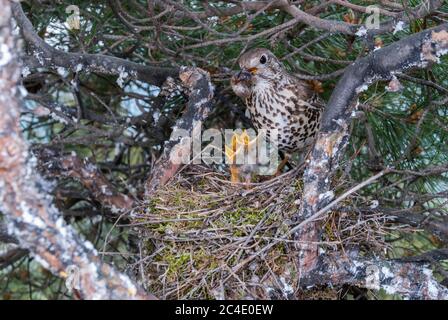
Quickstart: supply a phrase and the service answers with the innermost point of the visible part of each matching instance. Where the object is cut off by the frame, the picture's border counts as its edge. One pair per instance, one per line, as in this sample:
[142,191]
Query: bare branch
[11,256]
[89,176]
[433,255]
[346,28]
[410,280]
[198,107]
[45,55]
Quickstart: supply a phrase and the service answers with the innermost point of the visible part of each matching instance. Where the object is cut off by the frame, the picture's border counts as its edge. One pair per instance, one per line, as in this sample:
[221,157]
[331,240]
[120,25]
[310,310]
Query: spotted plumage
[278,100]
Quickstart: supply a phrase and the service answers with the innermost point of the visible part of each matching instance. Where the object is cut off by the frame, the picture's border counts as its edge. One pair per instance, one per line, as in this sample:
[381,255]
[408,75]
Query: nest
[204,237]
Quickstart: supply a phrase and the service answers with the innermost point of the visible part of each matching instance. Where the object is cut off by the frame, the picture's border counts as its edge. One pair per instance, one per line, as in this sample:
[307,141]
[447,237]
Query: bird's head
[258,64]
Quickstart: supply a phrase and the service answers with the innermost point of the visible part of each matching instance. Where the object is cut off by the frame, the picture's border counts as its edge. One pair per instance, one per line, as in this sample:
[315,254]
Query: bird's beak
[252,70]
[243,75]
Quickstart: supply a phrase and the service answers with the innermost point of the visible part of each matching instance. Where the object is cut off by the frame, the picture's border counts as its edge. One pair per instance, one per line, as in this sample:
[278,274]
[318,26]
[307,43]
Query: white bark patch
[23,92]
[156,116]
[398,27]
[78,67]
[105,190]
[74,84]
[122,76]
[41,261]
[362,88]
[62,72]
[287,288]
[30,218]
[5,55]
[327,195]
[433,290]
[58,118]
[26,72]
[386,272]
[361,32]
[62,227]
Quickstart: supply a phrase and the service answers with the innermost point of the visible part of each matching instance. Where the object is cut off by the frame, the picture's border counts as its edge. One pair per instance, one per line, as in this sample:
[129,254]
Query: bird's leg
[234,174]
[281,166]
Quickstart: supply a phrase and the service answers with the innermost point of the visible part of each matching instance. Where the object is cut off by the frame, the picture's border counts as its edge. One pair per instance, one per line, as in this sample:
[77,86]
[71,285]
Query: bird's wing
[317,102]
[303,92]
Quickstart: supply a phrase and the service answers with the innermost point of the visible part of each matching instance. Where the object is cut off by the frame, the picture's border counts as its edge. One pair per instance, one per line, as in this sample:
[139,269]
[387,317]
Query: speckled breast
[296,120]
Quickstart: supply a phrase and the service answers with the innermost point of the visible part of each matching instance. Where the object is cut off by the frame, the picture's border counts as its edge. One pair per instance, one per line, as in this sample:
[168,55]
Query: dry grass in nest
[206,238]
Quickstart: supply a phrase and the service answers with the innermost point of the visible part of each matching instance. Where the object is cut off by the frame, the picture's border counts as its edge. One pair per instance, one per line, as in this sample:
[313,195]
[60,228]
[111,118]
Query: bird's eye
[263,59]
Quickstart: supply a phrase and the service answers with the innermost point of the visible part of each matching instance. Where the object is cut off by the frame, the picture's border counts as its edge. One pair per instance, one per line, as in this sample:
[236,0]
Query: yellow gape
[240,153]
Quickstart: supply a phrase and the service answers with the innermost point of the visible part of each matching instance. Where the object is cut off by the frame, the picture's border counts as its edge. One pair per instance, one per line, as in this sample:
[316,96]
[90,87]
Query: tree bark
[30,216]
